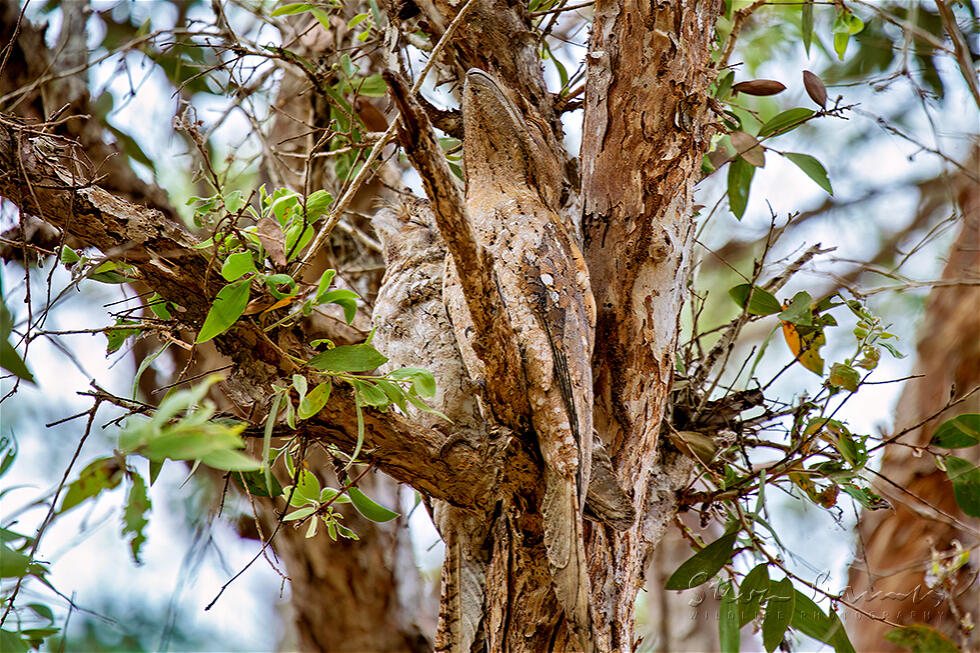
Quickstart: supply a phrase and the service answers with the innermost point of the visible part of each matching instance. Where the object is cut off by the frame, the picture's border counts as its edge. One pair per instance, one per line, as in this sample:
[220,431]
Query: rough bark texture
[36,84]
[648,69]
[896,547]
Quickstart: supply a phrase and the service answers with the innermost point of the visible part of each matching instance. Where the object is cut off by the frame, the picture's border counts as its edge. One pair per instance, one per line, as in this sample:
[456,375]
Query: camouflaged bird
[513,183]
[413,330]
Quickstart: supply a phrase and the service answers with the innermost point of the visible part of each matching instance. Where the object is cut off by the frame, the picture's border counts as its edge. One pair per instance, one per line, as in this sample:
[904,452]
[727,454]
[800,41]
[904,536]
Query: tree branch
[34,179]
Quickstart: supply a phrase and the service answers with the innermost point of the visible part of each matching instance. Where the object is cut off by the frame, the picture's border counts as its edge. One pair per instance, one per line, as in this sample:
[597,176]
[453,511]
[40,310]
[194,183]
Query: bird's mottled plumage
[511,190]
[413,330]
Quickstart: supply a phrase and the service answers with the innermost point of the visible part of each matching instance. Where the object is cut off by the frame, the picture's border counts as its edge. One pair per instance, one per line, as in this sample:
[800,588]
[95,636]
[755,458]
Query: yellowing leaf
[805,343]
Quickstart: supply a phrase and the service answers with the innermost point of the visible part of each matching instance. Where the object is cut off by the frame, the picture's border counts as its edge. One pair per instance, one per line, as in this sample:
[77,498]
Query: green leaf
[314,402]
[157,304]
[106,273]
[740,173]
[270,422]
[255,483]
[42,610]
[394,393]
[960,431]
[98,475]
[703,565]
[230,460]
[369,394]
[844,376]
[728,622]
[423,383]
[372,86]
[840,44]
[838,636]
[852,452]
[755,588]
[761,303]
[724,84]
[144,365]
[294,8]
[343,298]
[11,361]
[156,466]
[813,622]
[798,311]
[349,358]
[921,639]
[368,508]
[6,319]
[868,499]
[134,515]
[182,441]
[322,17]
[131,148]
[229,304]
[806,24]
[8,446]
[779,613]
[786,121]
[317,204]
[324,283]
[236,265]
[307,489]
[966,484]
[813,169]
[13,564]
[421,405]
[300,513]
[333,495]
[891,350]
[69,256]
[273,281]
[116,337]
[298,236]
[11,642]
[360,431]
[845,25]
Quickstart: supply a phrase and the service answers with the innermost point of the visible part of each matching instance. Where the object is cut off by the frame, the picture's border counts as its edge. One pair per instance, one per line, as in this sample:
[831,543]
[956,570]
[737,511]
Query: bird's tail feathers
[566,552]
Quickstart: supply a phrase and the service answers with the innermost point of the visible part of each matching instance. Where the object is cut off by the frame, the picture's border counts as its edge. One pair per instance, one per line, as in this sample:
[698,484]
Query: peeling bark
[648,70]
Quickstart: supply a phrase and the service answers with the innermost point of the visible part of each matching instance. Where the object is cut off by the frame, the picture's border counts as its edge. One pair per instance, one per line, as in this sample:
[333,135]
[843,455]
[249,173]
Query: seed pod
[759,87]
[815,88]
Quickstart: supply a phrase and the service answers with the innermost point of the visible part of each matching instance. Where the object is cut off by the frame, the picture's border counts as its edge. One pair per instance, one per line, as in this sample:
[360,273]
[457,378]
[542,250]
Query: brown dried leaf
[272,239]
[759,87]
[815,88]
[373,119]
[749,148]
[718,158]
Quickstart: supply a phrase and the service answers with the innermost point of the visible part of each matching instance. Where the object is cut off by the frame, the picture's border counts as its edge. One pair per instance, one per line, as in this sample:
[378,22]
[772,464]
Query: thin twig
[386,137]
[54,502]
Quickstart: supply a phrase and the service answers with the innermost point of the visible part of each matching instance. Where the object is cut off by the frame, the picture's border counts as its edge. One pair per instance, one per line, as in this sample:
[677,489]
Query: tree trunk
[645,107]
[357,595]
[896,548]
